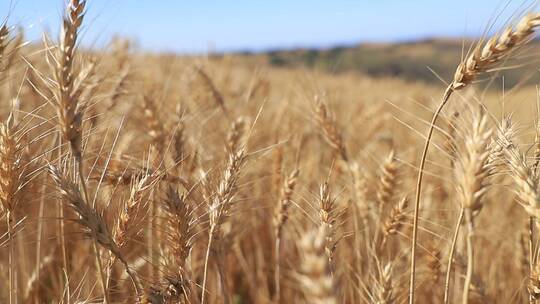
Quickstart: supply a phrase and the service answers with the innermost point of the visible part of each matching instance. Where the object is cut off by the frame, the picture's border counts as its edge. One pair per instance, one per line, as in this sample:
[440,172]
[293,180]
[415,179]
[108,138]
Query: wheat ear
[236,135]
[90,219]
[483,58]
[69,108]
[180,226]
[533,284]
[280,217]
[328,215]
[523,176]
[11,182]
[221,205]
[388,181]
[327,122]
[394,223]
[211,87]
[472,172]
[127,219]
[4,39]
[526,181]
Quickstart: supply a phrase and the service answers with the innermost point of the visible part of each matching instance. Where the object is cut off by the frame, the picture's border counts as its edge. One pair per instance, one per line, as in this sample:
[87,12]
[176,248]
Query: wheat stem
[531,245]
[10,258]
[451,256]
[470,255]
[446,96]
[206,259]
[277,271]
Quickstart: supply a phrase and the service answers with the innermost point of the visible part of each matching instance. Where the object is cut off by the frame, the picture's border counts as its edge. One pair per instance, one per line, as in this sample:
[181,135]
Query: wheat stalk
[33,283]
[449,144]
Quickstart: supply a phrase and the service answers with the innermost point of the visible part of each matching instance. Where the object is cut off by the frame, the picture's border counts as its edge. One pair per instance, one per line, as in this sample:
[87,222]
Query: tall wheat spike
[279,219]
[472,171]
[483,58]
[221,205]
[90,219]
[69,107]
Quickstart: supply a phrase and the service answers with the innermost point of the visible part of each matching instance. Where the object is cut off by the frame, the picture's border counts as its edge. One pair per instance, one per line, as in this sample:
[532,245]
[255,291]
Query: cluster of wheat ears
[135,178]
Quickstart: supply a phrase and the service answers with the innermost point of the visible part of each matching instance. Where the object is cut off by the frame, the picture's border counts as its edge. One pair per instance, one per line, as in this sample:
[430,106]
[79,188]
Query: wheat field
[128,177]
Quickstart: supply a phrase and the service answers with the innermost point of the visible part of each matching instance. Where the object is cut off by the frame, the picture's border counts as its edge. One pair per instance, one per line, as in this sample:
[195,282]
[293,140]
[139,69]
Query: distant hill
[405,60]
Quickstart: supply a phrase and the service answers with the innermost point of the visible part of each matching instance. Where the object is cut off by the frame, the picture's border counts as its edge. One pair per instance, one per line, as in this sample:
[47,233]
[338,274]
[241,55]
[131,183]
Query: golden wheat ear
[221,204]
[130,216]
[329,214]
[12,180]
[485,57]
[394,223]
[482,60]
[280,218]
[327,123]
[472,174]
[67,102]
[92,221]
[4,39]
[388,182]
[180,226]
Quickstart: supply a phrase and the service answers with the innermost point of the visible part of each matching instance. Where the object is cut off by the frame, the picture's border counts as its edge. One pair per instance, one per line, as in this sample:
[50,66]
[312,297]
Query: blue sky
[196,26]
